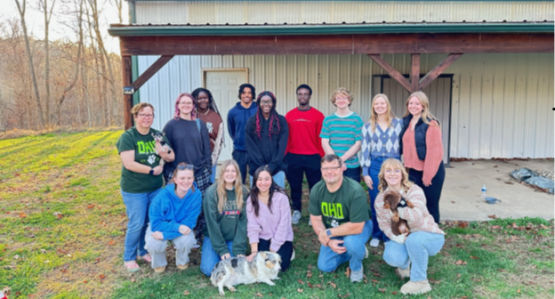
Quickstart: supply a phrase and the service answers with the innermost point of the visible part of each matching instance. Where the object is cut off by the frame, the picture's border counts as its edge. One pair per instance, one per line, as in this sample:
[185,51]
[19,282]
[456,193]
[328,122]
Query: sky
[58,27]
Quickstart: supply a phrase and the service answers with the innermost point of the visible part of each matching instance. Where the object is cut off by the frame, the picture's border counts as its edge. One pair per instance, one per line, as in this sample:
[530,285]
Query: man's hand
[323,238]
[184,230]
[334,246]
[158,236]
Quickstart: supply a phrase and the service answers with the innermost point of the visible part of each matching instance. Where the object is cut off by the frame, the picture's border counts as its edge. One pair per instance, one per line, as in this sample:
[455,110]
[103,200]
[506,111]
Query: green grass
[62,226]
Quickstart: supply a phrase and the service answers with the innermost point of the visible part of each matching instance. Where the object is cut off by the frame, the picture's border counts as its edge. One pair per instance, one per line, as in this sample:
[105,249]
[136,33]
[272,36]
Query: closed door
[224,86]
[439,94]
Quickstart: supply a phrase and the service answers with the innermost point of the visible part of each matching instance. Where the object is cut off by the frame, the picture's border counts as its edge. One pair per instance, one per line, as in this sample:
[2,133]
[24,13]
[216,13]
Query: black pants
[242,159]
[432,192]
[353,173]
[285,251]
[298,165]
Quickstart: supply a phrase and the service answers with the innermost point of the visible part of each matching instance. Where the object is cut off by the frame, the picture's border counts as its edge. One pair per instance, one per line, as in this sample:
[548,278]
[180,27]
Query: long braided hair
[193,112]
[211,103]
[274,127]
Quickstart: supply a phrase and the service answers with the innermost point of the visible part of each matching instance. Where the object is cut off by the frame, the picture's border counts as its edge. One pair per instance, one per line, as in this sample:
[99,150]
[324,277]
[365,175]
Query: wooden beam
[414,72]
[438,70]
[153,69]
[127,75]
[395,74]
[339,44]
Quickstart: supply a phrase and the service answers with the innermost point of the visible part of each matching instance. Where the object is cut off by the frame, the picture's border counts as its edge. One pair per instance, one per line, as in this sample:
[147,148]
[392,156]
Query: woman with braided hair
[209,114]
[266,136]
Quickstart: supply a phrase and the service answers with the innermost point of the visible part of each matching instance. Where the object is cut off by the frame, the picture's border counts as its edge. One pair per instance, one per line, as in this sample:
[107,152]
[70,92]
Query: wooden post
[153,69]
[414,72]
[127,77]
[391,71]
[438,69]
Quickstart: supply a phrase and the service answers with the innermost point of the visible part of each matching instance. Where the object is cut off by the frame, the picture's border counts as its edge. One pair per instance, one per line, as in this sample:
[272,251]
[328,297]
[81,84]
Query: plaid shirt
[418,218]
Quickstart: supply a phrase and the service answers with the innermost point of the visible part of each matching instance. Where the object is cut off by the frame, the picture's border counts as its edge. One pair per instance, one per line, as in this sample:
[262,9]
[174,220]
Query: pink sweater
[275,225]
[434,152]
[418,218]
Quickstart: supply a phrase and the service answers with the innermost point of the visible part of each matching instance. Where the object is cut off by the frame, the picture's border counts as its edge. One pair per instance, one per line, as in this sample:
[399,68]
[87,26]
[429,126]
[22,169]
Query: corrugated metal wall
[316,12]
[501,105]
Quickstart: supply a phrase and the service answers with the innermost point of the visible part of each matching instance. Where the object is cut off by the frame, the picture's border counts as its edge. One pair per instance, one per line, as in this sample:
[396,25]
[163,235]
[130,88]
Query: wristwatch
[328,232]
[151,172]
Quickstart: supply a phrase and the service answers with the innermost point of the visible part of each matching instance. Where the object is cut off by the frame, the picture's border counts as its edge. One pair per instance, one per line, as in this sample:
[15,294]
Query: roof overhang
[326,29]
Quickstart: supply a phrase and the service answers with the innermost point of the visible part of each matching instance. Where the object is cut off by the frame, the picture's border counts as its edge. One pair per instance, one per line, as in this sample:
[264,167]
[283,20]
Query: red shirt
[304,132]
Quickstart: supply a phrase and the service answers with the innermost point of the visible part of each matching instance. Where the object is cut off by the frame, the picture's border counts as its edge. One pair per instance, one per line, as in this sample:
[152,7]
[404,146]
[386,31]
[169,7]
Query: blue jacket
[237,119]
[167,211]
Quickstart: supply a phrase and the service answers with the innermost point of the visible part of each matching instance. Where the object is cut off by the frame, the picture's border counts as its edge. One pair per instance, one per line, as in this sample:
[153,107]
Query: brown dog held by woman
[393,200]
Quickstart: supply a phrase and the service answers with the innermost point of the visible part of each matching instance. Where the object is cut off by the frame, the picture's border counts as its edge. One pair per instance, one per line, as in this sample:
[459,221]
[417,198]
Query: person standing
[422,150]
[141,180]
[225,235]
[304,148]
[342,133]
[189,137]
[380,141]
[209,114]
[266,139]
[237,119]
[425,239]
[340,218]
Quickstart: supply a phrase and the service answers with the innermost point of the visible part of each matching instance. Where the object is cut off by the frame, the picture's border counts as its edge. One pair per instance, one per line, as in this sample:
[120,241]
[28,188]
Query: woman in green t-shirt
[225,233]
[141,179]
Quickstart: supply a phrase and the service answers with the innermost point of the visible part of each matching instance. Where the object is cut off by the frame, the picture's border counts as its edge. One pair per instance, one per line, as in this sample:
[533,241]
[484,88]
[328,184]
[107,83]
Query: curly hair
[211,103]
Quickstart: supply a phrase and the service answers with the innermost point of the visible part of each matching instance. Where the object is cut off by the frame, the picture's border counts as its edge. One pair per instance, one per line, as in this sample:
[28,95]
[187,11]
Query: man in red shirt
[304,148]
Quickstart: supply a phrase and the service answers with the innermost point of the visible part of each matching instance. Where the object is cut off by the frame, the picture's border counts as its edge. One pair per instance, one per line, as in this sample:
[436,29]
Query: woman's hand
[158,170]
[158,236]
[251,256]
[426,182]
[225,256]
[368,181]
[184,230]
[159,148]
[334,246]
[400,239]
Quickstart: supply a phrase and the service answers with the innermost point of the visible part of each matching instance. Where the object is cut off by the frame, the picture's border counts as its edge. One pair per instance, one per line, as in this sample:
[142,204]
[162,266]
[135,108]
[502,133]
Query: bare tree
[47,18]
[21,8]
[118,4]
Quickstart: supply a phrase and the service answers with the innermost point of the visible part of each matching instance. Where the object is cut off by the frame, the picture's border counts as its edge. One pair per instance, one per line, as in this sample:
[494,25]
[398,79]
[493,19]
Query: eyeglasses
[266,102]
[142,115]
[183,166]
[326,169]
[187,104]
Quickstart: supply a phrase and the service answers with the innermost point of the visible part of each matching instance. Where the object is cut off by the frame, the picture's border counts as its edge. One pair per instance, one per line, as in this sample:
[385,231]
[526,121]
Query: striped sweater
[343,132]
[418,218]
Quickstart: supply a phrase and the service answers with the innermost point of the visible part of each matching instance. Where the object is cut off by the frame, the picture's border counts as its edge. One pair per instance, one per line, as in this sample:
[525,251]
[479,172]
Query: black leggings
[285,251]
[432,192]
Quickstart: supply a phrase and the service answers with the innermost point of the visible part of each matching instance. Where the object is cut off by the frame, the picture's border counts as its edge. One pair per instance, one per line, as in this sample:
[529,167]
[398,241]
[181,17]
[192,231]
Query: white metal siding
[501,103]
[316,12]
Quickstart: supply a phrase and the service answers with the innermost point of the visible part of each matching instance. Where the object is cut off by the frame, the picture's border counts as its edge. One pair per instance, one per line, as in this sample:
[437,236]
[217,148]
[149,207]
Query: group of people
[196,206]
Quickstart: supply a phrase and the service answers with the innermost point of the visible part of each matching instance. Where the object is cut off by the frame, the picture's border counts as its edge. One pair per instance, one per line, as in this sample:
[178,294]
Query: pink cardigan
[275,225]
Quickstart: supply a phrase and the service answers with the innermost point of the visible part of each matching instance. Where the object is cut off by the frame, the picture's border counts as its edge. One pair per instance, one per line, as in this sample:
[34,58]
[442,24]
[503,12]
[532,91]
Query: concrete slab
[461,196]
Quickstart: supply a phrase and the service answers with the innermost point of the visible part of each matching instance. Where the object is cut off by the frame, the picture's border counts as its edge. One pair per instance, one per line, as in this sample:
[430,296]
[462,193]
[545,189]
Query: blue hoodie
[237,121]
[167,211]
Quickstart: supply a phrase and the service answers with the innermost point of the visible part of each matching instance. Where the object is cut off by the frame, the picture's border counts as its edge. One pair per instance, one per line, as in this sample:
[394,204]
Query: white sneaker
[196,245]
[309,222]
[293,255]
[415,288]
[374,243]
[365,252]
[296,217]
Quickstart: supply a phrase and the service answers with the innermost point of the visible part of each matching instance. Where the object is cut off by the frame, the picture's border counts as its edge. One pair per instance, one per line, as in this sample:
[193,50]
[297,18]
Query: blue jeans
[353,173]
[416,250]
[213,176]
[373,171]
[328,260]
[279,179]
[136,205]
[209,257]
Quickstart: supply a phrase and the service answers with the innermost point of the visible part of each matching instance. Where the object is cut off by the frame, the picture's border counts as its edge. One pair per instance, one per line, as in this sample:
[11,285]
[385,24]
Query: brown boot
[160,269]
[183,267]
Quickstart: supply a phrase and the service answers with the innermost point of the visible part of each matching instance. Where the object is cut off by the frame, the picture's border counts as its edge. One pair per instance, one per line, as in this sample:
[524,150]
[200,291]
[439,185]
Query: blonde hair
[137,108]
[374,116]
[426,114]
[221,191]
[393,163]
[343,91]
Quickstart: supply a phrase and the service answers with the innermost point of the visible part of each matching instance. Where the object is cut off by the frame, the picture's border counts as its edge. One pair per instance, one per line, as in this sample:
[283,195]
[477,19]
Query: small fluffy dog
[237,270]
[392,200]
[160,138]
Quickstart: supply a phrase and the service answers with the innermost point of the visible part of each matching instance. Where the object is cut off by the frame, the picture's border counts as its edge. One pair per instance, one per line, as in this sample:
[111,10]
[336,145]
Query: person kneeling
[173,212]
[340,217]
[425,239]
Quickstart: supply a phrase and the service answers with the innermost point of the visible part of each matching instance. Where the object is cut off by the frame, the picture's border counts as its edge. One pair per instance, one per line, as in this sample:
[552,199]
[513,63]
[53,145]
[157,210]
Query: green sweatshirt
[230,225]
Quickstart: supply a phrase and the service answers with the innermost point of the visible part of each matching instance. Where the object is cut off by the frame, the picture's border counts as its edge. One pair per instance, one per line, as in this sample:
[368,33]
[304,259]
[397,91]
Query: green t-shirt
[145,153]
[347,204]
